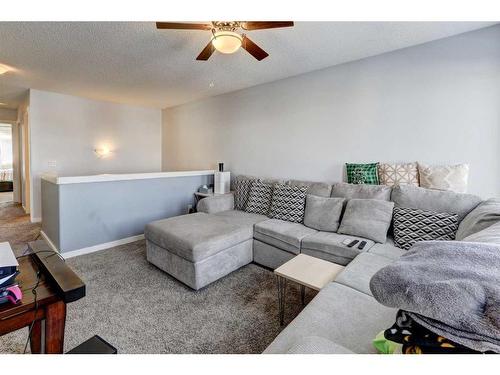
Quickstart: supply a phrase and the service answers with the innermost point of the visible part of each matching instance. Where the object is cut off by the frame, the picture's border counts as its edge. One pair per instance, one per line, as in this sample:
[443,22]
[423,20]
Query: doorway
[6,164]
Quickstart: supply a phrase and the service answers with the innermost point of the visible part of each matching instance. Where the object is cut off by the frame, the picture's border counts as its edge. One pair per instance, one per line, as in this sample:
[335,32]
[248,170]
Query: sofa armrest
[216,203]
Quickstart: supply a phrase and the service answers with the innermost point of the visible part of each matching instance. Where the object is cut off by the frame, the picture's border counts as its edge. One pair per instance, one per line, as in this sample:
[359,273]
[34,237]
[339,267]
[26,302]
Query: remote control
[353,243]
[362,245]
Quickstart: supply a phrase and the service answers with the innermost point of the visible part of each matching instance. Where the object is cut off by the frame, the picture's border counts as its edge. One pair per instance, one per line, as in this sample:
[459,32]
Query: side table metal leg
[303,295]
[281,298]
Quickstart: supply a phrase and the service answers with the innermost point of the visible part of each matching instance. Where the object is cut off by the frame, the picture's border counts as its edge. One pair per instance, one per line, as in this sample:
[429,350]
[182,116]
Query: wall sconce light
[4,69]
[102,152]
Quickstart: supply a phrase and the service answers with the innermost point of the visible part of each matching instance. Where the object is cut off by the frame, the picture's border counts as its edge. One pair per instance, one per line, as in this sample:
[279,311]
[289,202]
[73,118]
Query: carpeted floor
[140,309]
[16,227]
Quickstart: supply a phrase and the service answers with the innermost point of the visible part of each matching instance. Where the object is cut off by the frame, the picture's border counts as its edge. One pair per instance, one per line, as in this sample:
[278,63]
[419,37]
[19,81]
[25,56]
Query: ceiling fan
[227,37]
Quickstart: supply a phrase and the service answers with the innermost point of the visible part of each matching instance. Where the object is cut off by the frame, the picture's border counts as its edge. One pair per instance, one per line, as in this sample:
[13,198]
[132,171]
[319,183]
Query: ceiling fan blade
[184,26]
[253,49]
[259,25]
[207,52]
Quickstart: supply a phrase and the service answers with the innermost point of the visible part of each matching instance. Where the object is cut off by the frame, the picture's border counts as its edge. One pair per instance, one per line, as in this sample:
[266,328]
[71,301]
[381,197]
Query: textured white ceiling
[132,62]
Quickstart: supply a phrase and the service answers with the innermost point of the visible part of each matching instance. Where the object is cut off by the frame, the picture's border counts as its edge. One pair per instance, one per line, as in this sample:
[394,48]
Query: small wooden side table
[307,271]
[55,287]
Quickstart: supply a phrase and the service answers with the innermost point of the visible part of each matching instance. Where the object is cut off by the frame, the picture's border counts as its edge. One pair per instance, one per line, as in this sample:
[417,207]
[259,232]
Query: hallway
[15,226]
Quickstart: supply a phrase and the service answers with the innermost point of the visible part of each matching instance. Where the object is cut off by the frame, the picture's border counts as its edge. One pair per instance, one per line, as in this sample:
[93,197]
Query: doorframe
[16,176]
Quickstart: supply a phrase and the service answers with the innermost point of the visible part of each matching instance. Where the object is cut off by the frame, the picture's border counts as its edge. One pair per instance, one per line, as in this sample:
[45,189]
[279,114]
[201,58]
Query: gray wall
[66,129]
[437,103]
[77,216]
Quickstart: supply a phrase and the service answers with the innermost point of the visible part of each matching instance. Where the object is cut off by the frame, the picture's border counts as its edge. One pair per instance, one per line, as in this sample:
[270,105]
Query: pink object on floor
[14,294]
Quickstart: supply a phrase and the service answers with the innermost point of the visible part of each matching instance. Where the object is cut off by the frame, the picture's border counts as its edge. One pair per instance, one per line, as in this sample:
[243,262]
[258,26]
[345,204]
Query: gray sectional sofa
[200,248]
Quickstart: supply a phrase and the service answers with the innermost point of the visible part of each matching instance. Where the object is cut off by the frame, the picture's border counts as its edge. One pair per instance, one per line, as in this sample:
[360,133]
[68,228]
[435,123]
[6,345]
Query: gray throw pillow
[259,199]
[288,203]
[368,218]
[323,213]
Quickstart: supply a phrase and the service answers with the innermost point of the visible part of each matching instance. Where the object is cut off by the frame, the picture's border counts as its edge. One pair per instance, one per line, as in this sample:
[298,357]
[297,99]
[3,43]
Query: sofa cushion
[259,199]
[444,177]
[398,174]
[323,213]
[241,217]
[412,225]
[387,249]
[331,244]
[317,345]
[340,314]
[320,189]
[282,234]
[369,218]
[358,273]
[242,186]
[288,203]
[484,215]
[434,200]
[350,191]
[196,236]
[488,235]
[362,173]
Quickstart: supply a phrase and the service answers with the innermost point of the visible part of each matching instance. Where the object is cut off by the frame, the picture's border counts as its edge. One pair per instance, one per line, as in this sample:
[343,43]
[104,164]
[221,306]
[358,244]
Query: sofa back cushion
[489,235]
[259,199]
[355,191]
[368,218]
[241,187]
[323,213]
[434,200]
[484,215]
[412,225]
[320,189]
[288,203]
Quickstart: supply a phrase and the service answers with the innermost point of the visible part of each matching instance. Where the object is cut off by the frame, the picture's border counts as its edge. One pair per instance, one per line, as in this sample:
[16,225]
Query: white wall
[65,130]
[437,103]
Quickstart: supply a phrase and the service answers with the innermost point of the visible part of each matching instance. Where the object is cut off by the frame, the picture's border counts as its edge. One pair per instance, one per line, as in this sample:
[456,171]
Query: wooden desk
[55,276]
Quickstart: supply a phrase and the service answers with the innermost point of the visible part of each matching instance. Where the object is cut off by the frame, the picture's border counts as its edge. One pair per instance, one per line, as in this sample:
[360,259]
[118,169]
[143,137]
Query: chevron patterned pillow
[242,186]
[259,198]
[412,225]
[288,203]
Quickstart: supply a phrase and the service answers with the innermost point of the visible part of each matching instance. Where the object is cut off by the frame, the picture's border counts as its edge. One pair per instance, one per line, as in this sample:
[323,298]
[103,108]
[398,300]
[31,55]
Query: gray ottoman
[199,248]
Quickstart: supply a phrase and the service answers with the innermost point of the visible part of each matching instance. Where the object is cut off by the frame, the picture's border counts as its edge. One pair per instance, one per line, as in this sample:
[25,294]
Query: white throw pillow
[444,177]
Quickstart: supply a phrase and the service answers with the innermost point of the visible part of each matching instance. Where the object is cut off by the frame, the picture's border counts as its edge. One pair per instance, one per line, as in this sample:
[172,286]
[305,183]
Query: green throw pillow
[362,173]
[385,346]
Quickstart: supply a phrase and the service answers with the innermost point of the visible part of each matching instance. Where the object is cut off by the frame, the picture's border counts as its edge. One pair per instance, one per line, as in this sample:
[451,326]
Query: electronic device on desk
[9,290]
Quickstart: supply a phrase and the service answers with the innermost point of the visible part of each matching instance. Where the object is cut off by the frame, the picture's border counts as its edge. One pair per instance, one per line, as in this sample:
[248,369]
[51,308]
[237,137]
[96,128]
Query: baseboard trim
[102,246]
[49,241]
[36,219]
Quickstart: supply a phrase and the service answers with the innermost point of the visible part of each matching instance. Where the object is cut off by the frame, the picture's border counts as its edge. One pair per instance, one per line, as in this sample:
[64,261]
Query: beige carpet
[140,309]
[16,227]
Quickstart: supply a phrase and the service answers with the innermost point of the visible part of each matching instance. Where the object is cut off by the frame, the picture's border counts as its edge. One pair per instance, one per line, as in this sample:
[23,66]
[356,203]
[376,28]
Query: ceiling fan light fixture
[227,41]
